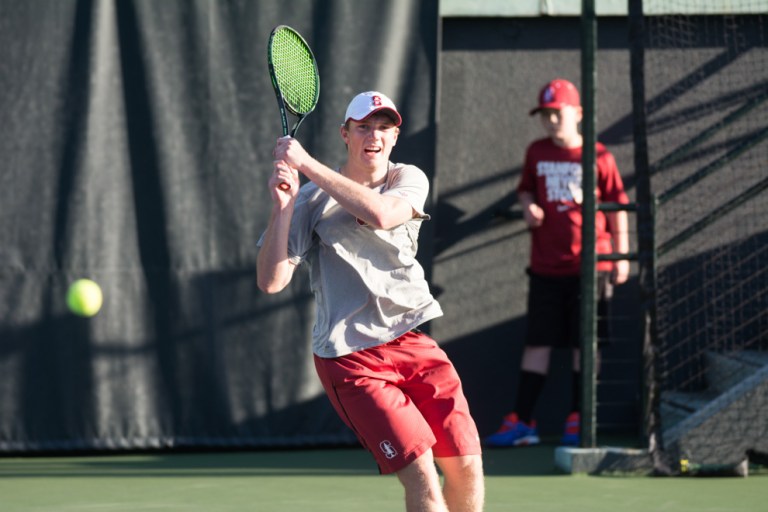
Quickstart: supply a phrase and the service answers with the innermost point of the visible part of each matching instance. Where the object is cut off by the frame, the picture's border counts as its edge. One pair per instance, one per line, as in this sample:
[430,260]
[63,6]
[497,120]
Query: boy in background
[550,194]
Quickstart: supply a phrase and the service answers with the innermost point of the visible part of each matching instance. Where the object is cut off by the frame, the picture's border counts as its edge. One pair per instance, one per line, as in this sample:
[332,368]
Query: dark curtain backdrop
[135,140]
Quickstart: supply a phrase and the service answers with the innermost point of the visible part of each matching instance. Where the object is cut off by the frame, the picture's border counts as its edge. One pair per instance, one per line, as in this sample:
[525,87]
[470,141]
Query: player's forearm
[273,268]
[366,204]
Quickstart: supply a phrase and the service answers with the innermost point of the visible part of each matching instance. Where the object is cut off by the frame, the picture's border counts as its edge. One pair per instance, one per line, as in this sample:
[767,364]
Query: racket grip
[284,186]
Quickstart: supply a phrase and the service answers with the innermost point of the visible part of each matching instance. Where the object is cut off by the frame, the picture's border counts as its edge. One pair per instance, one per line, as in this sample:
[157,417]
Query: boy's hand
[533,215]
[620,272]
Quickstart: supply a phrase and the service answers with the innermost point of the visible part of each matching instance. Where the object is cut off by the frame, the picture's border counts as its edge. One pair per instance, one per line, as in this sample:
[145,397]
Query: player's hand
[283,173]
[533,215]
[291,152]
[620,272]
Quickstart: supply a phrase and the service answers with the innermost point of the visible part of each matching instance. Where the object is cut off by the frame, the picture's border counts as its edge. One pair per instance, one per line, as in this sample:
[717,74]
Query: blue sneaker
[572,434]
[514,432]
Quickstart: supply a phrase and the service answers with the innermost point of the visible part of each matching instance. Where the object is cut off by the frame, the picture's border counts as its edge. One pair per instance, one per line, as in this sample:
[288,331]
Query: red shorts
[401,399]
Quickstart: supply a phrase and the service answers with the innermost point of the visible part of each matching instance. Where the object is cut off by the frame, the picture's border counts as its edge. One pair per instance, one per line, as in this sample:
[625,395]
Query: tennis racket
[294,75]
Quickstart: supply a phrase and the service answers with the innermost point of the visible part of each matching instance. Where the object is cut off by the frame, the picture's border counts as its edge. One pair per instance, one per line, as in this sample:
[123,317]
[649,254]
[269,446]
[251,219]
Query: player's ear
[344,131]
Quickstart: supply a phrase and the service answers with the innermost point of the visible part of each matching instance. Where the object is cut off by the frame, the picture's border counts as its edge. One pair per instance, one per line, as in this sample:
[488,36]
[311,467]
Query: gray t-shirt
[369,289]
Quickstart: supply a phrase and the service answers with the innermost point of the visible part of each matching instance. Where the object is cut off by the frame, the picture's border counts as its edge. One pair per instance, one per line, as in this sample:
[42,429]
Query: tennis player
[357,227]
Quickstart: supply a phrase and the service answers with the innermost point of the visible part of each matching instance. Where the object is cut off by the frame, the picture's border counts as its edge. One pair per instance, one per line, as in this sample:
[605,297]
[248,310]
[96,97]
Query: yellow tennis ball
[84,297]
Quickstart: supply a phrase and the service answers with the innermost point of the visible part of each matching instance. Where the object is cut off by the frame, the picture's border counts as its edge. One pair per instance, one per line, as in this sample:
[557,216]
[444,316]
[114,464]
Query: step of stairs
[724,371]
[725,420]
[728,369]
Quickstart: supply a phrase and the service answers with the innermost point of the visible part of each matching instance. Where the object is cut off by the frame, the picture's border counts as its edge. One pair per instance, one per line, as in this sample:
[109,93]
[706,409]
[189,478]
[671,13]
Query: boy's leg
[533,376]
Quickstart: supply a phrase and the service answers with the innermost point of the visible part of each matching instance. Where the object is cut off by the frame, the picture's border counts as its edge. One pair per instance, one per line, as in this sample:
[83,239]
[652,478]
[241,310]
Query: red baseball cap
[557,94]
[368,103]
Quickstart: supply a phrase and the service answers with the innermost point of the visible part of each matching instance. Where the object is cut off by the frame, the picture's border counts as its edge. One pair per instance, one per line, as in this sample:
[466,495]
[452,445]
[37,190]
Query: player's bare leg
[422,485]
[464,487]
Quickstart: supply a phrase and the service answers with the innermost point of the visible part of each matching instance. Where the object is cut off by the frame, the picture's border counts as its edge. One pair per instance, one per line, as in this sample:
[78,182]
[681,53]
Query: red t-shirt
[553,175]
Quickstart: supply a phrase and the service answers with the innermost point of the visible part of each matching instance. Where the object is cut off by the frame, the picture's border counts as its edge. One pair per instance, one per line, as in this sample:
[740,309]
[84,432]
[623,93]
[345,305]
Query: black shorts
[553,310]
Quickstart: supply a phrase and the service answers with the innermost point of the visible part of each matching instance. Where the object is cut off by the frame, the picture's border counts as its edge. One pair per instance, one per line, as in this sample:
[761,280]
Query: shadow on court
[344,461]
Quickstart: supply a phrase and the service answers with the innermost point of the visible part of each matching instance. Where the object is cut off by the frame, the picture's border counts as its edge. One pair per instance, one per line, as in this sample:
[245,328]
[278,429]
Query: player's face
[371,141]
[562,125]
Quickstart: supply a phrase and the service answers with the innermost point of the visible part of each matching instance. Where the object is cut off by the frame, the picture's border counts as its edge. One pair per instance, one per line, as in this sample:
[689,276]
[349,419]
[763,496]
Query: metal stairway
[720,424]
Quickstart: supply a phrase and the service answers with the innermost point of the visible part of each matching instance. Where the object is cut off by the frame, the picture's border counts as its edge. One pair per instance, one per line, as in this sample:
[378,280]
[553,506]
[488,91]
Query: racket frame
[281,103]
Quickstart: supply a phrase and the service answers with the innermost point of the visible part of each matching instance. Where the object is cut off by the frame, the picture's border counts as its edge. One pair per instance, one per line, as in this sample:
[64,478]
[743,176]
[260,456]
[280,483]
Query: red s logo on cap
[376,101]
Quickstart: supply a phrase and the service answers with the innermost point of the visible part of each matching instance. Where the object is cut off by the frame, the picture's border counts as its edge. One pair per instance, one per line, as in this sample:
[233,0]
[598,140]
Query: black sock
[528,392]
[576,392]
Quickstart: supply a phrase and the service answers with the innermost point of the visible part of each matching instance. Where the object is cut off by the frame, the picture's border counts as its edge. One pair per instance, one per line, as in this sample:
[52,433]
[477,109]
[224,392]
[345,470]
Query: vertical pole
[588,323]
[646,239]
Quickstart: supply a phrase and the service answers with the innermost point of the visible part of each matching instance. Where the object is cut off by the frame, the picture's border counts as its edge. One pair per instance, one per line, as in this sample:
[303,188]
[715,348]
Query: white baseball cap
[368,103]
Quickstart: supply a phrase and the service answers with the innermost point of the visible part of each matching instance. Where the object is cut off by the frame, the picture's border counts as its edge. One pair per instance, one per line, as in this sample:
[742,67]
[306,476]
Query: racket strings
[295,71]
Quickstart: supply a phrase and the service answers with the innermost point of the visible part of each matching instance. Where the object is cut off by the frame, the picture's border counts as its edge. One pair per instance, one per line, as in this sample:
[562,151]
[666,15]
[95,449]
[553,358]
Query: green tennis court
[340,480]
